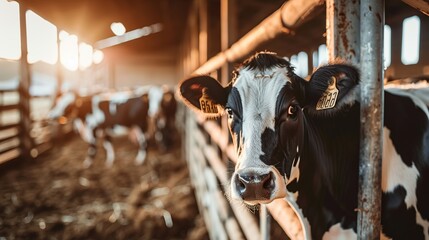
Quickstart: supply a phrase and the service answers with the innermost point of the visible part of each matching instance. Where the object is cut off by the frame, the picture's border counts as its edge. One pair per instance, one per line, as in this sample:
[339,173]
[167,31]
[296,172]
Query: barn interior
[164,42]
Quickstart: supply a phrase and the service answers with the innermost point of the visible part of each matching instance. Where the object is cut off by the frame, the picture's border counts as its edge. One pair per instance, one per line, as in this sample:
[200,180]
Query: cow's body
[101,113]
[292,143]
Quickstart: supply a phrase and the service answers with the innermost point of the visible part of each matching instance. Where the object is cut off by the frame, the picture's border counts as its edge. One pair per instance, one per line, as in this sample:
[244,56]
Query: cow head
[266,104]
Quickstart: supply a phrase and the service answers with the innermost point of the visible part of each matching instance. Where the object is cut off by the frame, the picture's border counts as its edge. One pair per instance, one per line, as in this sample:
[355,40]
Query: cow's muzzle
[257,185]
[252,186]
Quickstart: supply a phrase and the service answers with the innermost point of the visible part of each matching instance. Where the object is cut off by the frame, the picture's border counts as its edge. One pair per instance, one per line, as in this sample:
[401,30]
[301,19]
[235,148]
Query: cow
[165,120]
[100,113]
[298,140]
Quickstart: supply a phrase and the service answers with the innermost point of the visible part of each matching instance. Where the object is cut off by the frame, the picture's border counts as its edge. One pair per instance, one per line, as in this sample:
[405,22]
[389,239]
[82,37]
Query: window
[323,54]
[410,40]
[302,64]
[85,56]
[69,50]
[387,46]
[10,43]
[41,39]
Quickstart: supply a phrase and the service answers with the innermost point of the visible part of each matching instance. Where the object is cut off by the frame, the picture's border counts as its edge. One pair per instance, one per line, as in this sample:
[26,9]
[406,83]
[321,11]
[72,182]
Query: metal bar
[292,14]
[421,5]
[342,30]
[371,110]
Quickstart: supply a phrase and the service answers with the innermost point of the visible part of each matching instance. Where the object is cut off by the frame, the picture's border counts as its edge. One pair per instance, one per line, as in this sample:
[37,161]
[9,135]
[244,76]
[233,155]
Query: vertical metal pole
[342,30]
[24,93]
[372,100]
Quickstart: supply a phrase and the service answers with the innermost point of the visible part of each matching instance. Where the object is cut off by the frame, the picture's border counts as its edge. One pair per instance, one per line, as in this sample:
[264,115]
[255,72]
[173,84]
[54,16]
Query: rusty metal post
[342,30]
[372,100]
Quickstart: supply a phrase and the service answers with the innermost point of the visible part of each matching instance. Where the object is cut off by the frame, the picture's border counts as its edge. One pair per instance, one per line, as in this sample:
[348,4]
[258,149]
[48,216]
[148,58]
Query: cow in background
[299,140]
[165,120]
[98,114]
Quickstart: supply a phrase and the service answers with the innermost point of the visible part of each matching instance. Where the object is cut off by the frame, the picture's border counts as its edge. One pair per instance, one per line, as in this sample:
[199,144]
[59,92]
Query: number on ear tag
[206,104]
[329,97]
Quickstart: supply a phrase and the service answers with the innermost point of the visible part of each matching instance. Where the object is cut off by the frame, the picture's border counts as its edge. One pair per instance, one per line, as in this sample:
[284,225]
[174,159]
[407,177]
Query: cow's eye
[292,110]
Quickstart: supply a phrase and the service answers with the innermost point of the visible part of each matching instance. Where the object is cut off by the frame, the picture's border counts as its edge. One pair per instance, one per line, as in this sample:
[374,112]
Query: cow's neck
[329,175]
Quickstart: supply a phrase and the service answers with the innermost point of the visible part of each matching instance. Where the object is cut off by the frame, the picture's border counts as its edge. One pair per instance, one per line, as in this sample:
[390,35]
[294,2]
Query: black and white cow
[299,140]
[100,113]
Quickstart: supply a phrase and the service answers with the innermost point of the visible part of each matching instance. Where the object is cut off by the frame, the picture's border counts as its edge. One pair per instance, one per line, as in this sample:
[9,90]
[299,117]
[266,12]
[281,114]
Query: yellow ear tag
[329,97]
[206,104]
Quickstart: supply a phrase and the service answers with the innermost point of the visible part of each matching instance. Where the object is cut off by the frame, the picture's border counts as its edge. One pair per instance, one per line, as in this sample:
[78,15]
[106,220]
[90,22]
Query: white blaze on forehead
[61,104]
[258,93]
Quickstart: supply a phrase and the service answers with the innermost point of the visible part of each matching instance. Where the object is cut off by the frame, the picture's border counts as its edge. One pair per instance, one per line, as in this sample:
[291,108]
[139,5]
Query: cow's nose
[253,186]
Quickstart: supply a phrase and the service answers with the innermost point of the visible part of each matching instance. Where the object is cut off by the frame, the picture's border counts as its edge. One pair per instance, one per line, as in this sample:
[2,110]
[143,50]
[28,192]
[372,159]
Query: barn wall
[143,69]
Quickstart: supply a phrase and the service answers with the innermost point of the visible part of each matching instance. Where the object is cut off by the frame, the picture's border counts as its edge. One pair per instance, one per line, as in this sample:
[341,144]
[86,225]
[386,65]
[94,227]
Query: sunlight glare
[69,51]
[85,56]
[10,43]
[42,39]
[98,56]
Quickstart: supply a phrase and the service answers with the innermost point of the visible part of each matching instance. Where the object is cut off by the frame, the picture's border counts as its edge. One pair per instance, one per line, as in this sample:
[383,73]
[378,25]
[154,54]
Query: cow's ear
[204,94]
[332,87]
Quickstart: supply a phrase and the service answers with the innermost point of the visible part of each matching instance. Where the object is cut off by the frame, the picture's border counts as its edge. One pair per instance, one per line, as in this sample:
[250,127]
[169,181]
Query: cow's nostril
[240,184]
[268,182]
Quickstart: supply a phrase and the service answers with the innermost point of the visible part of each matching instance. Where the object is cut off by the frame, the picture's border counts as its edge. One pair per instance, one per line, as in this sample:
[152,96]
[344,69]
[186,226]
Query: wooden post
[26,142]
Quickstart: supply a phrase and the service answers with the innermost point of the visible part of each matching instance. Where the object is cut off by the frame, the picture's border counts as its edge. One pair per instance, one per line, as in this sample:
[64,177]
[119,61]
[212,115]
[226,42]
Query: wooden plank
[8,126]
[9,107]
[421,5]
[286,218]
[10,145]
[7,90]
[9,155]
[7,138]
[9,132]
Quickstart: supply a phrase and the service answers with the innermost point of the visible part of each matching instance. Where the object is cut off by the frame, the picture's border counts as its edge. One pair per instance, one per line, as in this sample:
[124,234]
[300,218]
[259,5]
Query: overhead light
[118,28]
[128,36]
[97,56]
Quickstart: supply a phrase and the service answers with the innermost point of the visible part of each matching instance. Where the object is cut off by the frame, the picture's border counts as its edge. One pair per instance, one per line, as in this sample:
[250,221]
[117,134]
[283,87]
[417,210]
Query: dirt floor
[54,197]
